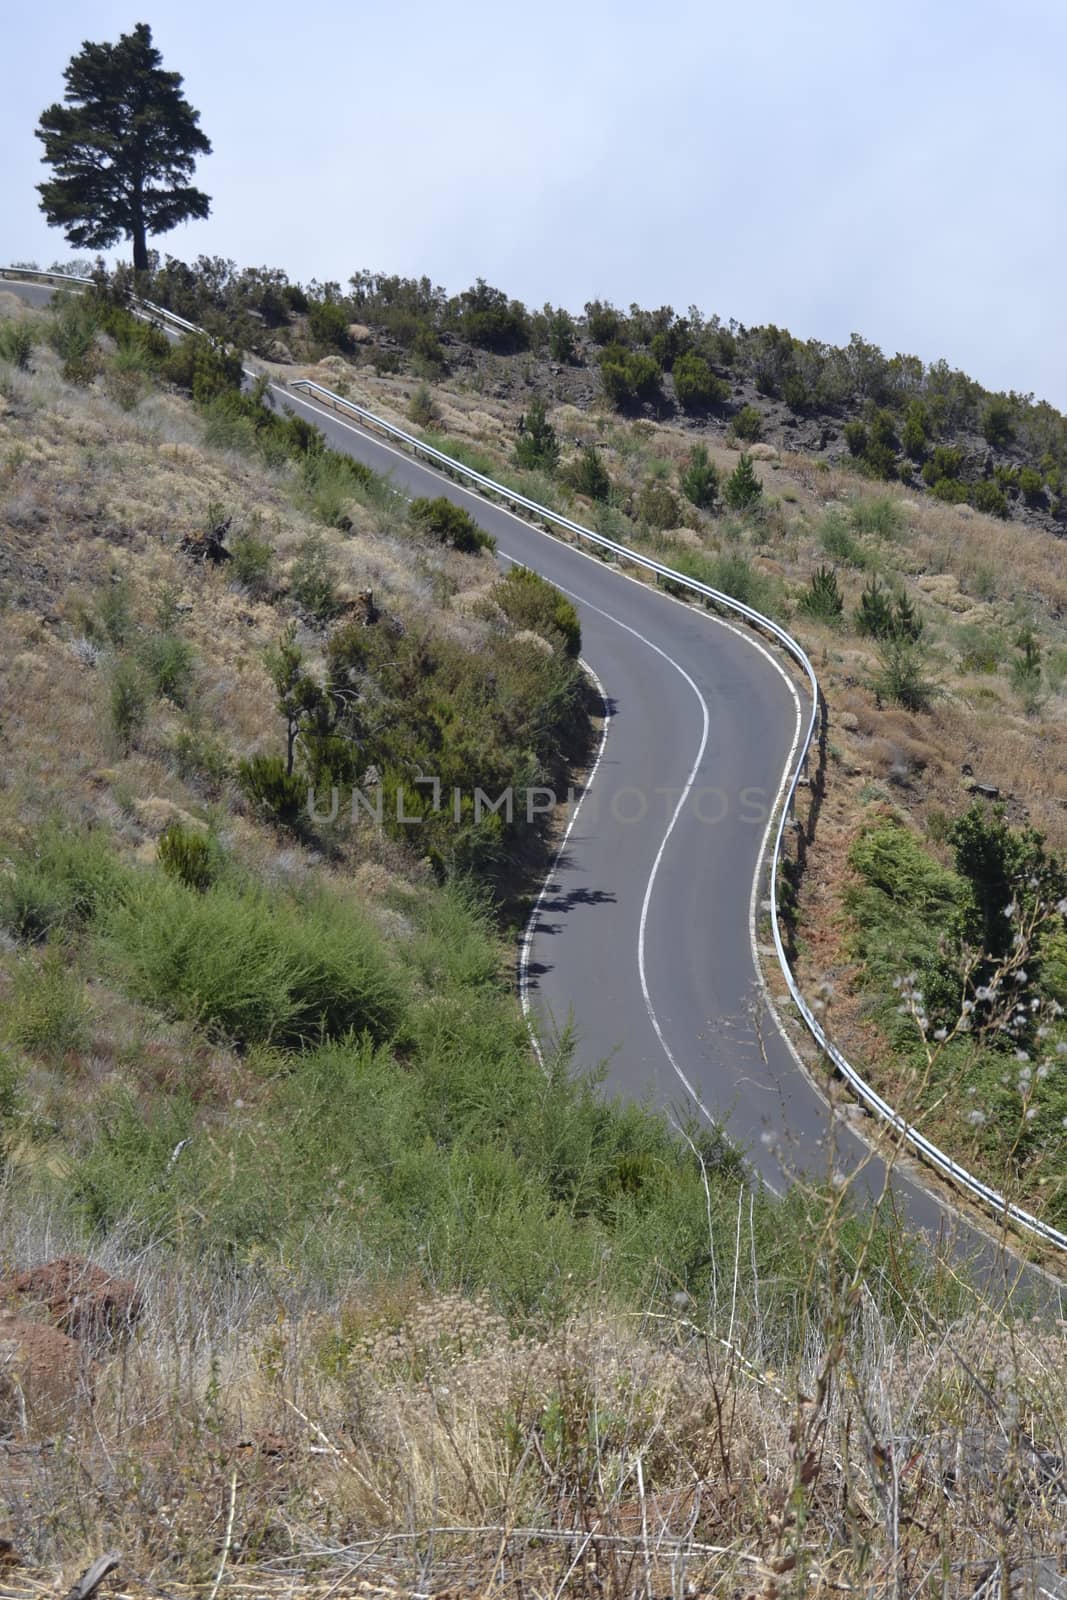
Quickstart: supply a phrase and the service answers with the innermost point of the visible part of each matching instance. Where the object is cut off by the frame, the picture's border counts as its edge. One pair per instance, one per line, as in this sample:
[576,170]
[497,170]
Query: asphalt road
[642,942]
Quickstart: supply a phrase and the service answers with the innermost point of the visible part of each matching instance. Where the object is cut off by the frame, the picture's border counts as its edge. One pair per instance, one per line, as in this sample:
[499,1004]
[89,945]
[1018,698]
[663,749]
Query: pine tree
[537,446]
[700,480]
[122,148]
[743,488]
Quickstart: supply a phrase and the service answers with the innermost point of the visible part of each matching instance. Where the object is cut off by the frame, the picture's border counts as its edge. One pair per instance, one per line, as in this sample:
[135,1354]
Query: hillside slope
[409,1311]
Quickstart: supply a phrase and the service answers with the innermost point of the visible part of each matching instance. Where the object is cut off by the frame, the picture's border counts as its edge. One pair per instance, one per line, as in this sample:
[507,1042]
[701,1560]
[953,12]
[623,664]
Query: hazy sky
[895,169]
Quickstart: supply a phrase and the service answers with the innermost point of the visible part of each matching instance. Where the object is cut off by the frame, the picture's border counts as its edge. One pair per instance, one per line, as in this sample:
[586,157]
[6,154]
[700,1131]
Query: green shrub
[747,424]
[486,317]
[903,676]
[312,580]
[72,332]
[856,437]
[422,407]
[695,385]
[880,461]
[48,1013]
[251,563]
[603,323]
[1031,485]
[331,482]
[916,435]
[215,371]
[537,447]
[881,516]
[530,601]
[951,490]
[188,855]
[258,968]
[945,462]
[628,378]
[700,479]
[657,506]
[328,323]
[58,883]
[743,488]
[168,665]
[998,422]
[822,599]
[128,693]
[987,497]
[588,475]
[111,619]
[201,759]
[880,617]
[837,540]
[16,344]
[874,615]
[450,524]
[278,795]
[562,344]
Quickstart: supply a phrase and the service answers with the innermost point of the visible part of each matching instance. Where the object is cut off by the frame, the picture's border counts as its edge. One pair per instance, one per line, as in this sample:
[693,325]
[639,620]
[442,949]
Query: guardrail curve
[1000,1208]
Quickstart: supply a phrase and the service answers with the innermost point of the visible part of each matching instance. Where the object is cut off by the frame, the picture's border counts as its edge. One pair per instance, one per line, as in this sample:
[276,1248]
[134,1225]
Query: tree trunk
[137,231]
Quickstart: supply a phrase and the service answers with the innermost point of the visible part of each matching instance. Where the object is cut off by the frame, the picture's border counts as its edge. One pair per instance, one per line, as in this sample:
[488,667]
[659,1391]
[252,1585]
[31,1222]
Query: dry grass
[411,1439]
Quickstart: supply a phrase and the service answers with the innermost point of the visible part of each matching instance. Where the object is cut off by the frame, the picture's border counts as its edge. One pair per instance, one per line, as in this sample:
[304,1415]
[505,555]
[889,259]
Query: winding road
[643,940]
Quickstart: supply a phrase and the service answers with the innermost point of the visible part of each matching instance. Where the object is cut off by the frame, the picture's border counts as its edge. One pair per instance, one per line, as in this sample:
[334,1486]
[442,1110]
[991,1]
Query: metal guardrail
[1002,1209]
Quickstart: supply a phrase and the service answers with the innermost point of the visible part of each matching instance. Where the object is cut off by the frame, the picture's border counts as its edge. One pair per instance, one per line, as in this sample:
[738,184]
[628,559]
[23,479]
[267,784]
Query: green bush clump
[880,616]
[998,422]
[530,601]
[486,317]
[72,331]
[328,323]
[903,675]
[747,424]
[331,482]
[822,599]
[562,337]
[254,967]
[657,506]
[313,581]
[204,369]
[251,561]
[128,695]
[187,855]
[838,542]
[989,497]
[881,516]
[946,461]
[695,385]
[58,883]
[47,1010]
[627,377]
[1031,485]
[168,662]
[588,475]
[603,323]
[16,344]
[856,437]
[277,794]
[422,407]
[700,479]
[953,491]
[915,437]
[743,488]
[537,447]
[450,524]
[730,573]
